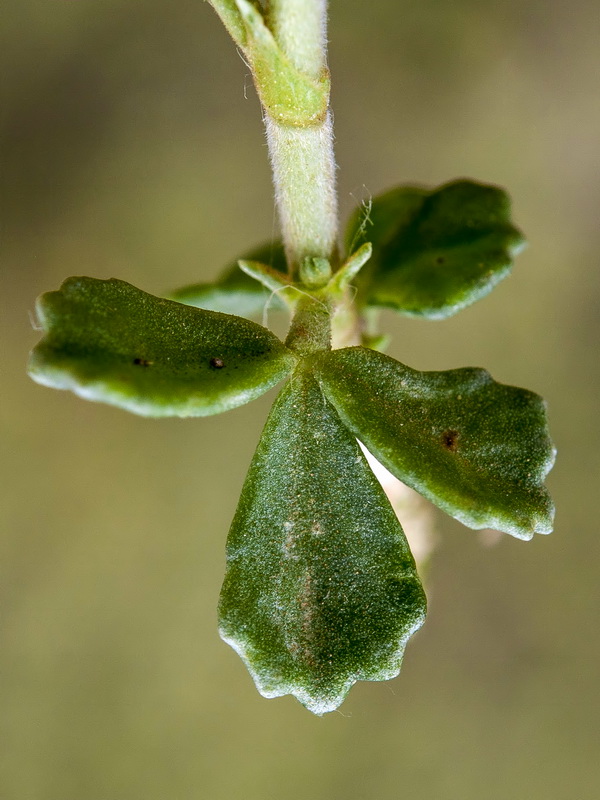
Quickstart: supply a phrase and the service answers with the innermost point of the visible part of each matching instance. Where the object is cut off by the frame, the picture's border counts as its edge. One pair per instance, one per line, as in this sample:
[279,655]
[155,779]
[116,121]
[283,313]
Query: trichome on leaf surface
[321,589]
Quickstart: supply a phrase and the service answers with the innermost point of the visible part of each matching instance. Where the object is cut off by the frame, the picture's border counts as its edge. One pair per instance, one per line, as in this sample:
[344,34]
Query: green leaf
[235,292]
[435,252]
[478,449]
[111,342]
[271,279]
[321,588]
[349,270]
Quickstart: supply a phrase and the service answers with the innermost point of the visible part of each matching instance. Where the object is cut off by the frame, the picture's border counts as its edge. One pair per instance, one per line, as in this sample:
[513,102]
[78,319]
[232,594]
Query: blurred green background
[129,149]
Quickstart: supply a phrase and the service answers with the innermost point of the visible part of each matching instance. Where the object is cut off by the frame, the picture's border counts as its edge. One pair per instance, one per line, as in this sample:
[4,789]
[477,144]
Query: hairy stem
[311,327]
[302,156]
[299,26]
[304,178]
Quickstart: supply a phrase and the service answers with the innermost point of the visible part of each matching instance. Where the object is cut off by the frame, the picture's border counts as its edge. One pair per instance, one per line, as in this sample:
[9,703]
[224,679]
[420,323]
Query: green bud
[315,272]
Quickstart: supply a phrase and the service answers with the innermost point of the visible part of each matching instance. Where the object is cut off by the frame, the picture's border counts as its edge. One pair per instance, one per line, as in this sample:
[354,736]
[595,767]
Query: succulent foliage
[321,589]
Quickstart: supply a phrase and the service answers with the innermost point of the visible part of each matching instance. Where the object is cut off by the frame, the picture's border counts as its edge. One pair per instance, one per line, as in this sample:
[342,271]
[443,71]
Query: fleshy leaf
[235,292]
[435,252]
[321,589]
[478,449]
[273,280]
[111,342]
[350,269]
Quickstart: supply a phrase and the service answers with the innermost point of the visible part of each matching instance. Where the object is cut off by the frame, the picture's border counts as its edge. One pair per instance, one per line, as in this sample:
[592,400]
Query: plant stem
[304,179]
[310,330]
[302,157]
[299,26]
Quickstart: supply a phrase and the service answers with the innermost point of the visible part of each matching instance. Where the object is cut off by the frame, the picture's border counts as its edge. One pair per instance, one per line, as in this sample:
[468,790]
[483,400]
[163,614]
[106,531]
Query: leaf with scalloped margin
[235,292]
[110,342]
[321,588]
[435,251]
[478,449]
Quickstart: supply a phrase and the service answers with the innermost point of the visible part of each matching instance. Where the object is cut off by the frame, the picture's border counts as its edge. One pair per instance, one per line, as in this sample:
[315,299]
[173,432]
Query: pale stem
[304,178]
[300,27]
[302,157]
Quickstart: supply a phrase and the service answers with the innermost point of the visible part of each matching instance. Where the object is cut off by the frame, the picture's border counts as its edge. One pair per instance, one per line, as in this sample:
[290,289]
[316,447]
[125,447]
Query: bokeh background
[132,146]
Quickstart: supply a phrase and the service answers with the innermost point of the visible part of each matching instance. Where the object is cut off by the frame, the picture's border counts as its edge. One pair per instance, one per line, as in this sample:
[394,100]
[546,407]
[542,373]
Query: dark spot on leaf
[217,363]
[450,440]
[440,260]
[142,362]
